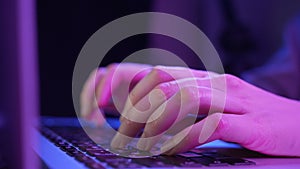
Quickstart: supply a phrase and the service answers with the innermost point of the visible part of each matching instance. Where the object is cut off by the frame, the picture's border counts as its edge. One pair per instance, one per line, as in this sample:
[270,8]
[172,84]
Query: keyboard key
[152,162]
[197,150]
[227,159]
[237,161]
[73,153]
[118,162]
[78,145]
[98,152]
[105,158]
[209,162]
[190,154]
[95,166]
[79,155]
[179,161]
[214,155]
[84,159]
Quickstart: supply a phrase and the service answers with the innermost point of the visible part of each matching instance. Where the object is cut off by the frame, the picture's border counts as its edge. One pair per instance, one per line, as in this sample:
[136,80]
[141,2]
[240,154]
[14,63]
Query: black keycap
[105,158]
[84,147]
[190,155]
[71,150]
[227,159]
[214,155]
[179,161]
[60,143]
[117,162]
[84,159]
[126,165]
[237,161]
[98,152]
[130,165]
[95,166]
[63,148]
[209,162]
[191,164]
[79,155]
[73,153]
[152,162]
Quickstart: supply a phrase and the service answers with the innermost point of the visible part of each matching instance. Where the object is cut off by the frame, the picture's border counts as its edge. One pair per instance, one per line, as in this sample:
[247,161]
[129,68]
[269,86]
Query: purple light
[28,79]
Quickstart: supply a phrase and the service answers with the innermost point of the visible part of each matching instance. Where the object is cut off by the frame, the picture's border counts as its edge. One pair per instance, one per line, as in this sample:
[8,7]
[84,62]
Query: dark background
[245,33]
[63,28]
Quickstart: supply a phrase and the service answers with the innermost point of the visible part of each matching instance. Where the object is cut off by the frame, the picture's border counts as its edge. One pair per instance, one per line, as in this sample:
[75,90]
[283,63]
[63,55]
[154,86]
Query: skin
[236,110]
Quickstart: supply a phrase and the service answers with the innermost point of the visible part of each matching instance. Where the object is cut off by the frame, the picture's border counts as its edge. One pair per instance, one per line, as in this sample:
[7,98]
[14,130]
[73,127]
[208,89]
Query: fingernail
[127,105]
[83,111]
[143,143]
[119,141]
[168,145]
[122,118]
[115,142]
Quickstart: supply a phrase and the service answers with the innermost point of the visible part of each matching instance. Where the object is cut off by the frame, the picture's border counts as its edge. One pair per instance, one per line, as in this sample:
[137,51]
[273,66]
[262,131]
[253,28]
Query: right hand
[108,87]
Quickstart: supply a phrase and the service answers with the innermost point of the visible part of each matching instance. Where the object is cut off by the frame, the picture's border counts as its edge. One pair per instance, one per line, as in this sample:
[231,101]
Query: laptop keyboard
[76,143]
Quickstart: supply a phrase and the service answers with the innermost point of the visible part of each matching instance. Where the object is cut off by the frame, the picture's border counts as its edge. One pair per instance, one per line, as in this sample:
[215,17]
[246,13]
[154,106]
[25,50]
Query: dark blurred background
[63,29]
[245,33]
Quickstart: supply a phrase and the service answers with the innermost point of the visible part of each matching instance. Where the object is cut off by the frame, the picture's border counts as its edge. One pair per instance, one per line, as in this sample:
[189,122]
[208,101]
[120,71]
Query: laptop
[65,143]
[62,142]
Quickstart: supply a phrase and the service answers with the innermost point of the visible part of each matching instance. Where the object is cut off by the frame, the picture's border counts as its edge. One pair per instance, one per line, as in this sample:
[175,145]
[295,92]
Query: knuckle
[158,73]
[192,93]
[148,131]
[163,89]
[223,125]
[233,81]
[133,95]
[157,95]
[189,94]
[163,86]
[128,122]
[158,68]
[112,66]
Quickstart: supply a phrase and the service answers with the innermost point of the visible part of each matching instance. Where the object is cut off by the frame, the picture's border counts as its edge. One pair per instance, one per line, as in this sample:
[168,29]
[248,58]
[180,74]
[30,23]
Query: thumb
[227,127]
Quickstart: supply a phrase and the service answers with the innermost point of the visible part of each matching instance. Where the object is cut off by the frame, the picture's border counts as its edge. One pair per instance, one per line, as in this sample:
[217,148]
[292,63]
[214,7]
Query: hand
[237,112]
[108,87]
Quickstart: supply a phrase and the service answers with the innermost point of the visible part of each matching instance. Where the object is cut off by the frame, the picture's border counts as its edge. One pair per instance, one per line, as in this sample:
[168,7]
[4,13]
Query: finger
[103,90]
[163,118]
[124,136]
[127,73]
[131,126]
[116,73]
[87,98]
[96,117]
[158,75]
[140,111]
[187,101]
[227,127]
[191,100]
[167,79]
[143,109]
[134,119]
